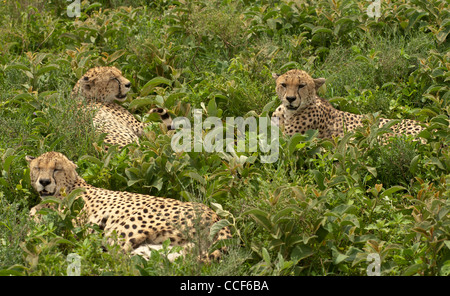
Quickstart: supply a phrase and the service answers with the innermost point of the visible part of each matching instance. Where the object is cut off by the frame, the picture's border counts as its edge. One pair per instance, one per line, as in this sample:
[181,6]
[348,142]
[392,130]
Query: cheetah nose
[128,85]
[290,99]
[44,182]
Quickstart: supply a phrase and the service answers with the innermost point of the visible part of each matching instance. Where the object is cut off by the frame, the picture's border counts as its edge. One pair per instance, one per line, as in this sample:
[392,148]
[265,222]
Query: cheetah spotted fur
[139,219]
[301,109]
[101,87]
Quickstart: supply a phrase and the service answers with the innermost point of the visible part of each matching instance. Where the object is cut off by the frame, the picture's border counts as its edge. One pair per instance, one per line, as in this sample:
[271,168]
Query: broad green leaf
[92,159]
[260,217]
[116,55]
[267,108]
[447,243]
[413,269]
[216,227]
[265,255]
[437,162]
[301,252]
[24,97]
[293,141]
[18,67]
[319,178]
[414,18]
[338,257]
[197,177]
[70,198]
[320,29]
[212,108]
[392,190]
[148,87]
[414,164]
[139,102]
[46,69]
[286,212]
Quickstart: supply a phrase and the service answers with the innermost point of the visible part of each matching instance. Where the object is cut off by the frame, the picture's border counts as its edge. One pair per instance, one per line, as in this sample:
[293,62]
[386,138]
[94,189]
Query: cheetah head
[104,84]
[51,172]
[296,89]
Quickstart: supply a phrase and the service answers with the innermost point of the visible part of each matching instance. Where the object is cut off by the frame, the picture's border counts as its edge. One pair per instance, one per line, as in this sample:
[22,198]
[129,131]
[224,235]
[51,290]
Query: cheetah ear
[319,82]
[275,76]
[29,158]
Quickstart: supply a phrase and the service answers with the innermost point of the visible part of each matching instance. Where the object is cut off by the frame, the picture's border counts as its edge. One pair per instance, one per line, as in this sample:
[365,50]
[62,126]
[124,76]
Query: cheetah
[141,220]
[301,109]
[101,87]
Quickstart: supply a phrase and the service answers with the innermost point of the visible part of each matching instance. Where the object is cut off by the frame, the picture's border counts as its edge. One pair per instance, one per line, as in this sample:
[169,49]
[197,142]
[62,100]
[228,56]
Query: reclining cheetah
[101,87]
[140,219]
[301,109]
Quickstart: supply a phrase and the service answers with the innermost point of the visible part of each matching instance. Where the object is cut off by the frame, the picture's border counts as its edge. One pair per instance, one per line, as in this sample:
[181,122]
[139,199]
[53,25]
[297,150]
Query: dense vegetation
[321,209]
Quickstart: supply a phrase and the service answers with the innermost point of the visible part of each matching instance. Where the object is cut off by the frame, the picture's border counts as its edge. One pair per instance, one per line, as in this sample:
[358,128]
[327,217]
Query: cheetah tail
[164,115]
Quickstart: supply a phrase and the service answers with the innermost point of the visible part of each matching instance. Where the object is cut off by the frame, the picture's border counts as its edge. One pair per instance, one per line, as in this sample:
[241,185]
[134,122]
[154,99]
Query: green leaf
[7,159]
[338,257]
[267,108]
[70,198]
[260,217]
[139,102]
[18,67]
[319,178]
[284,213]
[148,87]
[413,269]
[393,189]
[447,243]
[212,108]
[265,255]
[301,252]
[320,29]
[197,177]
[92,159]
[293,141]
[415,17]
[414,164]
[372,170]
[46,69]
[93,6]
[437,162]
[116,55]
[216,227]
[50,200]
[23,97]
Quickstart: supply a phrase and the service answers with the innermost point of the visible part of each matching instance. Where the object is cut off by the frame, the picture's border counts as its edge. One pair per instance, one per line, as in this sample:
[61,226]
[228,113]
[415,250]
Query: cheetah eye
[283,85]
[85,78]
[301,86]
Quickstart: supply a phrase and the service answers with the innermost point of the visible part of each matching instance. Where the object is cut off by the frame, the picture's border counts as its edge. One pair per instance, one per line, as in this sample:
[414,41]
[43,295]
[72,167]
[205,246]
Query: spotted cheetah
[301,109]
[101,87]
[139,219]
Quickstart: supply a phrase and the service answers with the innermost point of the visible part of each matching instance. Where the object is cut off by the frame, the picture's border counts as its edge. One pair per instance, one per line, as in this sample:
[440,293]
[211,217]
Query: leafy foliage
[321,209]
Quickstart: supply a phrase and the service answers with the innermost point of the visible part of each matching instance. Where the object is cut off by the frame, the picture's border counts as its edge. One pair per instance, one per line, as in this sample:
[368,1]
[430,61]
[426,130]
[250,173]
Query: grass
[321,209]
